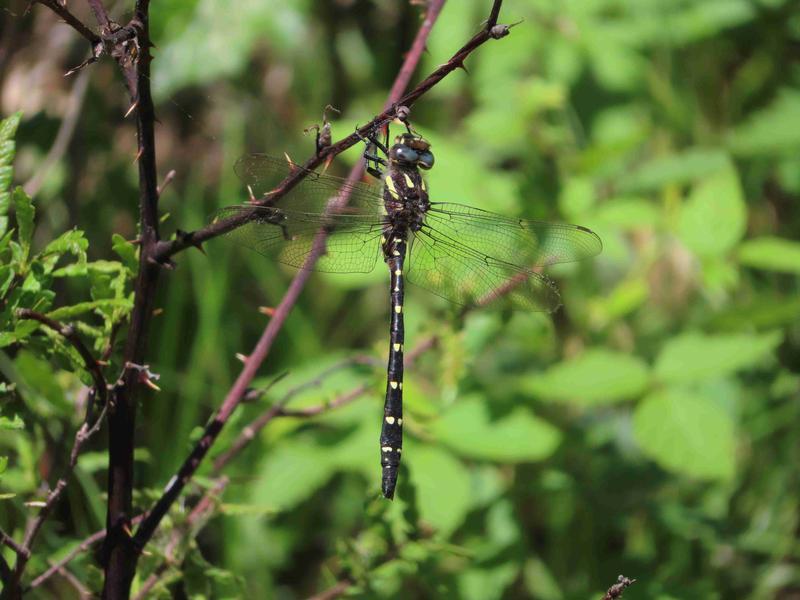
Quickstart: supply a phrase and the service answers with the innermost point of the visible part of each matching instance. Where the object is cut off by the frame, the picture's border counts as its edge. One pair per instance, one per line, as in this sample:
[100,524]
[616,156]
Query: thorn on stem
[267,310]
[131,109]
[167,180]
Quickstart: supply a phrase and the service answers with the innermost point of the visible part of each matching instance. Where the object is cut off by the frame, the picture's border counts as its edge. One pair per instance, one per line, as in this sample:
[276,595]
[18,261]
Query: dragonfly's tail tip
[388,485]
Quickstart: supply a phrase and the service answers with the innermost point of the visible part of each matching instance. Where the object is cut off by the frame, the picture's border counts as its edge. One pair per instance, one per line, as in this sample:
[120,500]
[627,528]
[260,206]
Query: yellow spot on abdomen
[390,420]
[398,309]
[393,385]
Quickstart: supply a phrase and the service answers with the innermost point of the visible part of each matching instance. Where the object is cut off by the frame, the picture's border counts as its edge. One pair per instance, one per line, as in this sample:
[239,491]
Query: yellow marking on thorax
[409,181]
[422,183]
[390,186]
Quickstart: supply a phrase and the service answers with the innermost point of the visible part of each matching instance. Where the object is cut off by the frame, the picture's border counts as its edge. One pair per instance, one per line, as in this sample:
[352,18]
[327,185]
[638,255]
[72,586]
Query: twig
[250,431]
[7,540]
[615,591]
[71,20]
[494,14]
[83,591]
[167,249]
[100,13]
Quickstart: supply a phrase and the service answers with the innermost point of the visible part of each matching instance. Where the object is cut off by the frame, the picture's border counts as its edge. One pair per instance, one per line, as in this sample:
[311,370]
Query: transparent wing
[520,242]
[351,246]
[458,273]
[261,173]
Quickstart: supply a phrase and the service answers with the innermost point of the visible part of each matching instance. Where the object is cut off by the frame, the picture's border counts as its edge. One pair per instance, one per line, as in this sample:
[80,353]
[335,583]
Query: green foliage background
[648,428]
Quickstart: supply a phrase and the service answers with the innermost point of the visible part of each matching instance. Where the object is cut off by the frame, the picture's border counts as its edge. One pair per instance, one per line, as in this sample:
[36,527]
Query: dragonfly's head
[411,150]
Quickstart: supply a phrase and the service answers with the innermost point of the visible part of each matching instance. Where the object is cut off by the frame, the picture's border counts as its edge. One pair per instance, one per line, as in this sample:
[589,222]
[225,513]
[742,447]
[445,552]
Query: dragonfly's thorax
[405,198]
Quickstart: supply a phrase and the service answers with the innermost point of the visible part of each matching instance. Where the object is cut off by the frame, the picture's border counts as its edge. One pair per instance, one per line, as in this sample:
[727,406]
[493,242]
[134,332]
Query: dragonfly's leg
[374,161]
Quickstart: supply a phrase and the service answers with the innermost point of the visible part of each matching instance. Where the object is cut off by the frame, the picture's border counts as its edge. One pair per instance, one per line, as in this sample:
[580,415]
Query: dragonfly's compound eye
[403,154]
[425,160]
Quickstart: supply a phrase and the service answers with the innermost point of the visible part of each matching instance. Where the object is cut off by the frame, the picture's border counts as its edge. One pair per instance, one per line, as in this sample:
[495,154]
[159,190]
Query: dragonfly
[469,256]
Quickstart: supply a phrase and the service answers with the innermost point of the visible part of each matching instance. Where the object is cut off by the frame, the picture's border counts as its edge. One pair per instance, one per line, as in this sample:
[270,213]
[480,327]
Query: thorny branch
[167,249]
[207,502]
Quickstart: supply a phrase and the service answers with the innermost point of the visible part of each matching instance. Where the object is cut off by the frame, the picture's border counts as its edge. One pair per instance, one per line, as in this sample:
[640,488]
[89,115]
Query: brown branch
[167,249]
[616,590]
[71,20]
[119,554]
[7,540]
[494,14]
[250,431]
[100,13]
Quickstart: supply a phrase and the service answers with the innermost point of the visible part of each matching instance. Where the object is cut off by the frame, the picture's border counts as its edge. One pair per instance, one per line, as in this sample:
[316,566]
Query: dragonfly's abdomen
[394,249]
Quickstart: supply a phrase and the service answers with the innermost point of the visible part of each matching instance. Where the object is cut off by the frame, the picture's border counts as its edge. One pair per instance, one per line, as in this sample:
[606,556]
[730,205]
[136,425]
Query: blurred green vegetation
[648,428]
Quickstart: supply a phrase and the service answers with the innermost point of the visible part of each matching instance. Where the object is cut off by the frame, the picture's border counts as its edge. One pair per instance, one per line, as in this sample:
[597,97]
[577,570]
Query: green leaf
[126,251]
[13,423]
[713,219]
[70,312]
[696,356]
[468,428]
[628,212]
[686,433]
[24,212]
[290,473]
[443,486]
[8,128]
[770,130]
[72,242]
[598,376]
[684,167]
[771,253]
